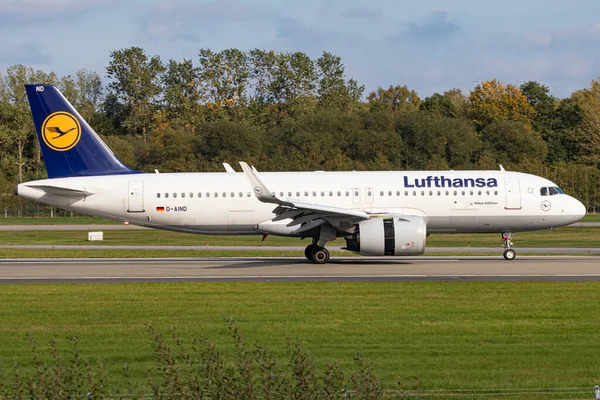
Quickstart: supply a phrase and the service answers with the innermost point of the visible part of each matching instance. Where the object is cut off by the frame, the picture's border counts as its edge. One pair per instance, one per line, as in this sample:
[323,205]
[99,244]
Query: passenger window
[191,194]
[322,194]
[495,193]
[216,194]
[355,193]
[380,193]
[447,193]
[297,194]
[241,194]
[289,194]
[397,193]
[280,194]
[347,193]
[390,193]
[339,193]
[183,195]
[455,192]
[422,193]
[314,194]
[158,195]
[248,194]
[430,193]
[232,194]
[479,192]
[305,194]
[174,195]
[406,193]
[199,195]
[207,194]
[166,195]
[330,194]
[471,193]
[414,192]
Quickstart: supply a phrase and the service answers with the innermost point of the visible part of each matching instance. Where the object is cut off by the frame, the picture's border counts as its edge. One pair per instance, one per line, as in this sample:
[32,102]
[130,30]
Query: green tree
[588,135]
[17,132]
[225,78]
[512,143]
[333,89]
[397,99]
[183,94]
[135,80]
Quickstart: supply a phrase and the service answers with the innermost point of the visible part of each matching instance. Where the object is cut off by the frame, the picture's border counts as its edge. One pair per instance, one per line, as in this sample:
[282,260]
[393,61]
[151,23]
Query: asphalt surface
[347,269]
[299,249]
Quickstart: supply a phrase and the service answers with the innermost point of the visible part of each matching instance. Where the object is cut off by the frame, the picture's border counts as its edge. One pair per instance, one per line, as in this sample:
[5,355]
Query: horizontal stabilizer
[61,191]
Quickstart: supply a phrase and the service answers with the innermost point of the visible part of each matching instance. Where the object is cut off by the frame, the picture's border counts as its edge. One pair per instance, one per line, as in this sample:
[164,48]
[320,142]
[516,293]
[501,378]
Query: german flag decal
[160,209]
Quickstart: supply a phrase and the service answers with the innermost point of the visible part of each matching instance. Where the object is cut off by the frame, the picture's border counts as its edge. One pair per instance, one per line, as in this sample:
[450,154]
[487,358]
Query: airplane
[382,213]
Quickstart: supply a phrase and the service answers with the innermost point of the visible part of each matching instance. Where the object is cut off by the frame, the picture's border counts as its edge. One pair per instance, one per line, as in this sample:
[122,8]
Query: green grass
[450,335]
[79,220]
[562,237]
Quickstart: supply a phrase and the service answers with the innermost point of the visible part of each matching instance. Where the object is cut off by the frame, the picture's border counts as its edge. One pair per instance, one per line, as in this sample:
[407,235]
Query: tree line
[286,111]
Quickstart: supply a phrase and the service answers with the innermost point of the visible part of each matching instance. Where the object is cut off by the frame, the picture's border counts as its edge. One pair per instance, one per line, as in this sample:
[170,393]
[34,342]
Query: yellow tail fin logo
[61,131]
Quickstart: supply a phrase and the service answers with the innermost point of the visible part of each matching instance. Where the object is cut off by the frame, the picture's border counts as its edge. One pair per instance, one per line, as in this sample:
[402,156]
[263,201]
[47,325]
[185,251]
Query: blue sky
[430,46]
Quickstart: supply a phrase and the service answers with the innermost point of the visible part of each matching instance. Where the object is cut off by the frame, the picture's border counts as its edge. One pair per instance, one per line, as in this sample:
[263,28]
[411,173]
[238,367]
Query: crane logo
[61,131]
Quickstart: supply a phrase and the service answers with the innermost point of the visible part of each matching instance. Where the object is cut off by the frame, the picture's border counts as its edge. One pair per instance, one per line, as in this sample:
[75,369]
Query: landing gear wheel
[320,256]
[509,254]
[310,249]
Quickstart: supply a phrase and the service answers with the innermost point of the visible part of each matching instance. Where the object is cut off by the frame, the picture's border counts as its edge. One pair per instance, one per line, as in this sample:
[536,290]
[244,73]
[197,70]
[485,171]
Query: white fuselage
[223,203]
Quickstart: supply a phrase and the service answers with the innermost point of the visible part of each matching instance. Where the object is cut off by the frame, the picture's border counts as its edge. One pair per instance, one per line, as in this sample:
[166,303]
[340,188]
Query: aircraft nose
[578,209]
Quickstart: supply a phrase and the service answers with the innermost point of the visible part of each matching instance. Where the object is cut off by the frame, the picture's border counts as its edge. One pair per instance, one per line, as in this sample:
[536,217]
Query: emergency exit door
[136,196]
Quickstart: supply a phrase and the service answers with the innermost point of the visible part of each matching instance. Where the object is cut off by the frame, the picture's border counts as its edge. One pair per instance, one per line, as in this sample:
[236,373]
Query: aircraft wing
[304,214]
[61,191]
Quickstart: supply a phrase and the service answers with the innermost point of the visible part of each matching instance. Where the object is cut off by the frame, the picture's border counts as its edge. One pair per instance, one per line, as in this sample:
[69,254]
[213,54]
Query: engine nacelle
[397,235]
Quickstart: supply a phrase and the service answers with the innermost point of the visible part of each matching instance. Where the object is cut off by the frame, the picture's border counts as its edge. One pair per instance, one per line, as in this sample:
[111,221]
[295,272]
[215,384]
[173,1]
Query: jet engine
[397,235]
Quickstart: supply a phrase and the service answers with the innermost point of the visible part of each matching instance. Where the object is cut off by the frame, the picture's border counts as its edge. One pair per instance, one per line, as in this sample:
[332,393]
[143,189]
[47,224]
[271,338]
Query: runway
[342,269]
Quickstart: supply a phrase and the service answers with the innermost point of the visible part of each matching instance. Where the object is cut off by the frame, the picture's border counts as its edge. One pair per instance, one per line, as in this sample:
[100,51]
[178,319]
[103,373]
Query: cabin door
[136,196]
[513,193]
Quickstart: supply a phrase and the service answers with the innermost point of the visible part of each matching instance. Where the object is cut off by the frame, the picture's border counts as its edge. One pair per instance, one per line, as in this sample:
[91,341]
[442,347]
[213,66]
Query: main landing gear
[316,254]
[509,254]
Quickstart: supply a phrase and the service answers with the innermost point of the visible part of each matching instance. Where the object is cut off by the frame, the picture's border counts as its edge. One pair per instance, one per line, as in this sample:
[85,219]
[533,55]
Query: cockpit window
[551,191]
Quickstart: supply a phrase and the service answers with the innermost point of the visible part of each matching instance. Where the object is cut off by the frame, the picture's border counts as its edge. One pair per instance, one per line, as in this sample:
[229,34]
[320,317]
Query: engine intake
[398,235]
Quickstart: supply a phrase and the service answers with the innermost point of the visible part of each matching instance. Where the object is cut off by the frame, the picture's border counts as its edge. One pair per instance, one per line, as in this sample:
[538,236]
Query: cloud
[22,13]
[28,53]
[362,13]
[435,26]
[186,19]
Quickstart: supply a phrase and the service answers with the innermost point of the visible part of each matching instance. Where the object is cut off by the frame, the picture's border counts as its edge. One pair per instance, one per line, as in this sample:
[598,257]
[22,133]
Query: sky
[430,46]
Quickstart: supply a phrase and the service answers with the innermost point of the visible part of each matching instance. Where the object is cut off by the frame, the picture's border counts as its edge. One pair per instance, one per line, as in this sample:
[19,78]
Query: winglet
[260,190]
[228,168]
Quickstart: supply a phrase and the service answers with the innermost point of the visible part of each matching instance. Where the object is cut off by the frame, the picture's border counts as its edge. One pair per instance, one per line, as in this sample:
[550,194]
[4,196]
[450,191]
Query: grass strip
[562,237]
[450,335]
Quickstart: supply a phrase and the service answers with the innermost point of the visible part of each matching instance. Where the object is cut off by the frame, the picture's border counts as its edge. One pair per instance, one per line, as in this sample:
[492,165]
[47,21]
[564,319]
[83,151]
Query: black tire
[510,254]
[310,249]
[320,256]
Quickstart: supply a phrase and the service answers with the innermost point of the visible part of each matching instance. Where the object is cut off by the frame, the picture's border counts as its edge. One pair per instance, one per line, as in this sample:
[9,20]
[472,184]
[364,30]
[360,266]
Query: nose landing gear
[509,254]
